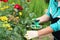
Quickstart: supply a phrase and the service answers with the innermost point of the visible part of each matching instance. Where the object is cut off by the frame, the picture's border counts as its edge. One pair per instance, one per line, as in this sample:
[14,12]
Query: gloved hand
[35,24]
[31,34]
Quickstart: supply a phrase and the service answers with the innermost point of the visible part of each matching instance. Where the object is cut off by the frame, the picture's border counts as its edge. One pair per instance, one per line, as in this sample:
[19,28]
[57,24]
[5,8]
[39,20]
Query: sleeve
[48,12]
[55,26]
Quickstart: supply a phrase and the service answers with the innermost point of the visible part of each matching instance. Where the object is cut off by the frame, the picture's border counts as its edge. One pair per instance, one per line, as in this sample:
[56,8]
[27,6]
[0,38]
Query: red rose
[5,0]
[17,6]
[1,0]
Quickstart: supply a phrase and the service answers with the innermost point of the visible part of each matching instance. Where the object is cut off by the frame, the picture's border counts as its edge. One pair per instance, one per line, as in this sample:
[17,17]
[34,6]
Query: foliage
[16,15]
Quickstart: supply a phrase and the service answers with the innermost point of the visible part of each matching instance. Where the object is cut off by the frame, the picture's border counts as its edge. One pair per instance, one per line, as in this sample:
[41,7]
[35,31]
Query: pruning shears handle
[35,24]
[35,21]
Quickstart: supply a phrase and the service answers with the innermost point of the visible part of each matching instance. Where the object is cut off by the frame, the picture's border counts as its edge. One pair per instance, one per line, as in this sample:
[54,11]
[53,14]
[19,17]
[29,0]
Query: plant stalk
[0,3]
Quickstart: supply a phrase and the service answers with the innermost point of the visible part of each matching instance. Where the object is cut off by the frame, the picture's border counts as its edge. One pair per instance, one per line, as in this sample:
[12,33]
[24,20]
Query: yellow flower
[6,25]
[2,9]
[3,18]
[20,13]
[10,29]
[6,7]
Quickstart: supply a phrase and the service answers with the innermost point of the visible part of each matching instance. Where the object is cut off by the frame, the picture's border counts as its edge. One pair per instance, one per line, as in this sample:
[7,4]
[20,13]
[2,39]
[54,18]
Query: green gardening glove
[36,24]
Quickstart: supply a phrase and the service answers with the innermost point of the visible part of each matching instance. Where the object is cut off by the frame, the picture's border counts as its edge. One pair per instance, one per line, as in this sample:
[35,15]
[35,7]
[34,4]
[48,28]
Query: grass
[38,6]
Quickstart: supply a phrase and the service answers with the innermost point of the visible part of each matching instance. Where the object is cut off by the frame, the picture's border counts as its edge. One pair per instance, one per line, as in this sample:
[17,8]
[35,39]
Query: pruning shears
[36,24]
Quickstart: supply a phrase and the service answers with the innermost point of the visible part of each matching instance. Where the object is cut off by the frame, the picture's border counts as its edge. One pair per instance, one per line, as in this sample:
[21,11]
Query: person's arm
[43,18]
[45,31]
